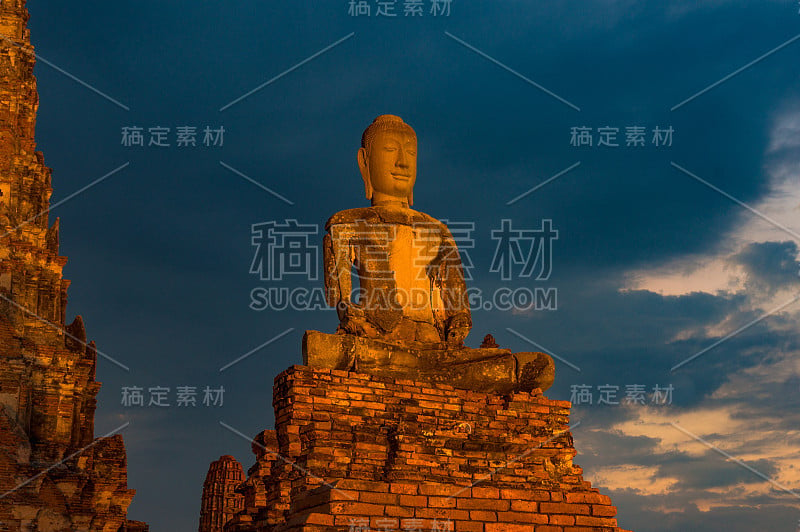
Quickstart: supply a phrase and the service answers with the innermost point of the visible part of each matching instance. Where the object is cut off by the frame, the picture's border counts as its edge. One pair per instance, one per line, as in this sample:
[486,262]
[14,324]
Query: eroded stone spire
[54,474]
[220,502]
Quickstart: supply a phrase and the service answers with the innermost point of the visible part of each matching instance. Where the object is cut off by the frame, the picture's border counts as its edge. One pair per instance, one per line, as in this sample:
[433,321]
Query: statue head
[388,160]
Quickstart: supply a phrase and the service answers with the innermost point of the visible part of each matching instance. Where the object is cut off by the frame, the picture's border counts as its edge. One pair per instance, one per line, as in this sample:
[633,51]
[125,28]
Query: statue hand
[346,310]
[456,335]
[457,329]
[353,320]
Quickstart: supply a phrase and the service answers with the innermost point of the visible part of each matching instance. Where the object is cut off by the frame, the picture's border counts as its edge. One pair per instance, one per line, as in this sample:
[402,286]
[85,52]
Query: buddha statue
[412,288]
[409,315]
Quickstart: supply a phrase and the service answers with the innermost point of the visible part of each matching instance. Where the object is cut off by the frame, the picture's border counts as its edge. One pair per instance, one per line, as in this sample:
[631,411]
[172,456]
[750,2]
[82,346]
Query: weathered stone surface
[352,449]
[54,474]
[220,502]
[410,276]
[489,370]
[410,313]
[265,447]
[393,424]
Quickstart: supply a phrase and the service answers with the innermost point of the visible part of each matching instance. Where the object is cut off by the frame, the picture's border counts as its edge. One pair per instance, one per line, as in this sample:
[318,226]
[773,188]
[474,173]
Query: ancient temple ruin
[392,423]
[54,474]
[220,499]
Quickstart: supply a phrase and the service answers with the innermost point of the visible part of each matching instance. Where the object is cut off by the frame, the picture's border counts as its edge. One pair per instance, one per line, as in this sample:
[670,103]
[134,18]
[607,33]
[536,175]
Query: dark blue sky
[160,251]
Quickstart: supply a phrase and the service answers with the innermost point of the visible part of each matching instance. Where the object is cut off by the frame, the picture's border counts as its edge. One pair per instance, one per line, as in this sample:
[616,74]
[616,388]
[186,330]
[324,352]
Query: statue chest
[411,251]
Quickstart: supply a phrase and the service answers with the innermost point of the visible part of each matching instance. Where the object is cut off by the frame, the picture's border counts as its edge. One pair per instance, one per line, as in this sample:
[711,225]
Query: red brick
[445,490]
[562,520]
[441,502]
[483,504]
[407,489]
[368,405]
[378,498]
[468,526]
[594,521]
[364,446]
[604,511]
[588,497]
[522,517]
[441,513]
[563,508]
[524,495]
[422,524]
[506,527]
[359,389]
[524,506]
[379,523]
[399,511]
[361,485]
[319,519]
[355,508]
[343,520]
[413,500]
[307,500]
[482,515]
[485,492]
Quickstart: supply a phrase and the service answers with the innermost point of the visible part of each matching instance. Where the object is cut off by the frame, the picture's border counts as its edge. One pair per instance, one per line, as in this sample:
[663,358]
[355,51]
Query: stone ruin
[392,423]
[55,476]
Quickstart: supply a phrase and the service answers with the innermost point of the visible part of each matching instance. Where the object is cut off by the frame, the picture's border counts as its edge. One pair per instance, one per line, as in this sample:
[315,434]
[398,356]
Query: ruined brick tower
[220,501]
[54,474]
[357,452]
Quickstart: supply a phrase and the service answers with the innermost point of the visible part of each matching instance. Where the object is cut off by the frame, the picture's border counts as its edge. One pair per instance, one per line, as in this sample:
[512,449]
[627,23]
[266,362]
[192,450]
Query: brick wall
[358,452]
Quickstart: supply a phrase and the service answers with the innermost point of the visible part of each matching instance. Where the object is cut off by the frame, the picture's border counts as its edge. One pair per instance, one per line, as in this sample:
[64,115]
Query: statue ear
[411,198]
[362,165]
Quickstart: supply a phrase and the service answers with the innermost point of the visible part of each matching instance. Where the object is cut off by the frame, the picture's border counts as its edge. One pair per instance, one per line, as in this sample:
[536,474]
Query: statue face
[392,163]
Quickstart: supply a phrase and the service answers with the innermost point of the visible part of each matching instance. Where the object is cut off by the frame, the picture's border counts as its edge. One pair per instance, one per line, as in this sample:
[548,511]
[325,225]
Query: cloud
[644,480]
[763,247]
[762,268]
[731,453]
[770,266]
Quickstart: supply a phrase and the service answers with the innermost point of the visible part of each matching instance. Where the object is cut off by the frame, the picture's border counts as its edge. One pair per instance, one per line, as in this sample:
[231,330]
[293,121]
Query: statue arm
[338,263]
[339,255]
[458,318]
[333,291]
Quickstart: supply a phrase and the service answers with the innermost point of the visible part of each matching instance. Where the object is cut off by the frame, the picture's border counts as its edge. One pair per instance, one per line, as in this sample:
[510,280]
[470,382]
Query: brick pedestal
[358,452]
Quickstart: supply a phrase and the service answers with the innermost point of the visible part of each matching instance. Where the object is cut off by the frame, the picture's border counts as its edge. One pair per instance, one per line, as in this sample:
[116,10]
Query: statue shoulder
[376,215]
[427,219]
[421,217]
[349,216]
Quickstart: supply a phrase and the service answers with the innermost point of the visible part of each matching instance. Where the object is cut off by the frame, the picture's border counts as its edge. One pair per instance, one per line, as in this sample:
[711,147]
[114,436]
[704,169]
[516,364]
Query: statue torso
[395,251]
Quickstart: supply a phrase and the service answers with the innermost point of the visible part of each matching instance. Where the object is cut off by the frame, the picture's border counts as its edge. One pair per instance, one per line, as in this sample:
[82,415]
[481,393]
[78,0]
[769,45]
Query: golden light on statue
[410,314]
